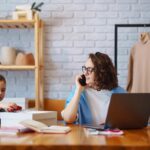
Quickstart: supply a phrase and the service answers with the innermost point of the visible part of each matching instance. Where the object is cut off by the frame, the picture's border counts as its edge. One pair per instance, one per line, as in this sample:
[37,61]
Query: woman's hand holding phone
[80,82]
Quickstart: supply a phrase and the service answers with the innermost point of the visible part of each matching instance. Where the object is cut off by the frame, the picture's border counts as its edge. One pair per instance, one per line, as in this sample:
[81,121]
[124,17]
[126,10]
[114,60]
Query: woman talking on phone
[89,100]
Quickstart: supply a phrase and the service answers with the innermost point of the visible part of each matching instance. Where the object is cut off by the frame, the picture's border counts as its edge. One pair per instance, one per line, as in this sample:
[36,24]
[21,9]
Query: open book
[43,128]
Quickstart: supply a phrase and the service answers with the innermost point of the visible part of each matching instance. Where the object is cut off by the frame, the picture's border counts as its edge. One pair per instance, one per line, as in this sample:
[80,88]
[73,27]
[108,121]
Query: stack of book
[90,131]
[12,119]
[14,130]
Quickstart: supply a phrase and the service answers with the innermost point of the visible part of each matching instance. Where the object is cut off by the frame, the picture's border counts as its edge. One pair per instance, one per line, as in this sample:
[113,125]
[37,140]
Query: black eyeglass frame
[89,70]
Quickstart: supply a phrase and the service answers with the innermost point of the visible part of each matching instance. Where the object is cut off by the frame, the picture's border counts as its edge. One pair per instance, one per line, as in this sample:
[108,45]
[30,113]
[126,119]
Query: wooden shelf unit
[14,67]
[36,24]
[14,24]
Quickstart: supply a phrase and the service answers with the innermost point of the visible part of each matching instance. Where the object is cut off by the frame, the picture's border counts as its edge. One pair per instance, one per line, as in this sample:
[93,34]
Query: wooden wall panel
[50,104]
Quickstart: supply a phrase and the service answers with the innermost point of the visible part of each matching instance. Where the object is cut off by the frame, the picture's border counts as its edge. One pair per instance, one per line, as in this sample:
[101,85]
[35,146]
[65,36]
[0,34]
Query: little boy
[9,107]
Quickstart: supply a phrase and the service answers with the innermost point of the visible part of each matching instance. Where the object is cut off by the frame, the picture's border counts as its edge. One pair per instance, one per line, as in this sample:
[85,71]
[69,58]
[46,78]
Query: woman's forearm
[69,114]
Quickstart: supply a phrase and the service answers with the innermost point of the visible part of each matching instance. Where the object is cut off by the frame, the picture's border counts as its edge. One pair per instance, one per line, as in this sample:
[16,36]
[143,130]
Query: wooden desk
[77,140]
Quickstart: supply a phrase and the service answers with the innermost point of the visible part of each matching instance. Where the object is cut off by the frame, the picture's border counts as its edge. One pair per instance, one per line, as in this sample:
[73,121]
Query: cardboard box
[13,118]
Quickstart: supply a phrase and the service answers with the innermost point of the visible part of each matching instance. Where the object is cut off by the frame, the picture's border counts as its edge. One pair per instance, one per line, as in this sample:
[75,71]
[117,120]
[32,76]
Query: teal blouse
[84,113]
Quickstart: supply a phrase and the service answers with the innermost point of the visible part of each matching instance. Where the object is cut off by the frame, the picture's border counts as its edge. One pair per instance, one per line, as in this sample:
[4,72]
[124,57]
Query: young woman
[89,104]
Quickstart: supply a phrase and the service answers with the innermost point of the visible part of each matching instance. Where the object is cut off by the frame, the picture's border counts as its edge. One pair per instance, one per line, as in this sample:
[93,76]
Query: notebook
[126,111]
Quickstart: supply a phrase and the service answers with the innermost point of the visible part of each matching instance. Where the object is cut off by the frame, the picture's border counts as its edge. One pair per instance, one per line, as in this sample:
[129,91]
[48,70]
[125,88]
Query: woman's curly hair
[105,72]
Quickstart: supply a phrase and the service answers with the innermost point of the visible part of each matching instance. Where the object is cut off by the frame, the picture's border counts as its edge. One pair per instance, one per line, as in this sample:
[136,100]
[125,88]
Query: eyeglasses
[87,69]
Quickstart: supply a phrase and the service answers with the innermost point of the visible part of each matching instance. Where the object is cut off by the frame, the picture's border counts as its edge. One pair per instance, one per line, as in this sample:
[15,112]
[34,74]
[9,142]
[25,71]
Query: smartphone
[82,80]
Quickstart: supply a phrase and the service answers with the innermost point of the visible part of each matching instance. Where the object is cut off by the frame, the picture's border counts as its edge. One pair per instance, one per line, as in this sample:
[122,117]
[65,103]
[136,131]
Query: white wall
[73,28]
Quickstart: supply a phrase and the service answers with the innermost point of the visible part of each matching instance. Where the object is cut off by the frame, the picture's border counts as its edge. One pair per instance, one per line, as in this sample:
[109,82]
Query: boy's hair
[105,72]
[2,78]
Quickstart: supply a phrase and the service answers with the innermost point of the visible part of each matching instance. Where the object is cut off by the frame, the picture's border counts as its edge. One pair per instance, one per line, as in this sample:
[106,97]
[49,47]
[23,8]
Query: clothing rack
[116,36]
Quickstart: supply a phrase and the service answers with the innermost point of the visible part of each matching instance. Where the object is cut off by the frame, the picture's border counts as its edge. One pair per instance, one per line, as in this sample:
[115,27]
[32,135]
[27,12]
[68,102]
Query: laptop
[126,111]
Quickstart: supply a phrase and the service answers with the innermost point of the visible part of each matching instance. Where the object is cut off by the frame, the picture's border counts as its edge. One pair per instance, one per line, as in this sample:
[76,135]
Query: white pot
[8,56]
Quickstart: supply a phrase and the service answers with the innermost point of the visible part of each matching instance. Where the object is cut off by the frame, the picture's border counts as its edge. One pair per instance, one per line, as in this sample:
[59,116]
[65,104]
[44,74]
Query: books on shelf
[43,128]
[9,119]
[23,7]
